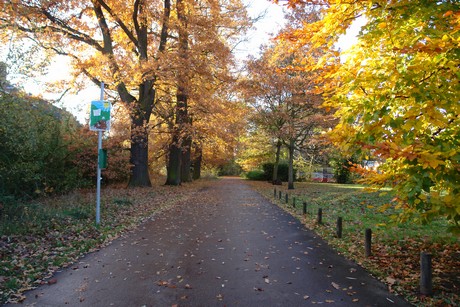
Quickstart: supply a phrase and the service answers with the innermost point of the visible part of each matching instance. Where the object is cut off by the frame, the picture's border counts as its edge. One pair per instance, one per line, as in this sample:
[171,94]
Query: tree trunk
[197,162]
[291,166]
[186,175]
[275,179]
[174,162]
[139,159]
[140,137]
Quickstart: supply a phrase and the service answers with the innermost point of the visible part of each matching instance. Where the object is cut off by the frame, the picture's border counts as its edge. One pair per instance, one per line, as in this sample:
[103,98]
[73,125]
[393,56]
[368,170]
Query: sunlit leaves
[396,94]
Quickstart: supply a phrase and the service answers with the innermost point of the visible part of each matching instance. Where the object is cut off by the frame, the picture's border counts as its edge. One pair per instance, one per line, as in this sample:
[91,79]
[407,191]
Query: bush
[342,172]
[230,169]
[118,166]
[256,175]
[283,171]
[45,150]
[35,156]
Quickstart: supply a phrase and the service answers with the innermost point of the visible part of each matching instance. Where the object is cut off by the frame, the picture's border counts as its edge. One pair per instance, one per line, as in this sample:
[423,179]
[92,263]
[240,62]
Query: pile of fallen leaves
[396,249]
[60,230]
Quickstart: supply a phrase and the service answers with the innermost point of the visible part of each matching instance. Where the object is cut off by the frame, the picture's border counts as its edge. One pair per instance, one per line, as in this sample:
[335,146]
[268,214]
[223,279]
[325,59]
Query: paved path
[230,247]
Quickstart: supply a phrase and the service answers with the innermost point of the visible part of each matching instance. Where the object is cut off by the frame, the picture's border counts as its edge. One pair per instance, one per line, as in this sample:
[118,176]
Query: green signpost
[99,120]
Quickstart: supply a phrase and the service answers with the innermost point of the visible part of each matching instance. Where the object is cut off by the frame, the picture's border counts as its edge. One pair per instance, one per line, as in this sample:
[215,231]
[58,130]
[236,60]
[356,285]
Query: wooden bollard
[274,192]
[339,227]
[426,286]
[293,202]
[319,220]
[304,209]
[368,242]
[287,198]
[280,195]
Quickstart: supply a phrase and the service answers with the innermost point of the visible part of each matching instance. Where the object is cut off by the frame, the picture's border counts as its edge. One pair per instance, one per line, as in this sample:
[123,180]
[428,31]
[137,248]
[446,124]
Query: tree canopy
[396,95]
[133,47]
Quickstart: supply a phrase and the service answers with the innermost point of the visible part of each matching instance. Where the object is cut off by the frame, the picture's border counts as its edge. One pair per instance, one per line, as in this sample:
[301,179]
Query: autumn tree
[286,99]
[206,32]
[266,91]
[396,93]
[285,105]
[219,126]
[119,43]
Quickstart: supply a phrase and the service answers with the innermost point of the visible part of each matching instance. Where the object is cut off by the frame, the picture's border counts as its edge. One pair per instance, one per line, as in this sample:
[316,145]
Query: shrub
[230,169]
[118,167]
[35,156]
[283,171]
[342,172]
[256,175]
[45,150]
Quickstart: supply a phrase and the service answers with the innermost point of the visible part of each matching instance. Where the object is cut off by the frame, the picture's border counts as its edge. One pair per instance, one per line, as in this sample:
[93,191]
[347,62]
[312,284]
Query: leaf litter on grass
[31,252]
[396,248]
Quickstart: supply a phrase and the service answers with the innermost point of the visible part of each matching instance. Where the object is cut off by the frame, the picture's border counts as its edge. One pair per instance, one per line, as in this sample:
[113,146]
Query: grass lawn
[396,248]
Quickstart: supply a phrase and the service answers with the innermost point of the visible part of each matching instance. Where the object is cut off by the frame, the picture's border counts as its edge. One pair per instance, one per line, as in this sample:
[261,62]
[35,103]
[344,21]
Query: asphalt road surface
[228,246]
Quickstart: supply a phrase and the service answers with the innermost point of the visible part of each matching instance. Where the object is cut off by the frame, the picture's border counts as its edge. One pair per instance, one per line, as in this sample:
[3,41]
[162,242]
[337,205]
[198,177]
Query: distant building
[323,174]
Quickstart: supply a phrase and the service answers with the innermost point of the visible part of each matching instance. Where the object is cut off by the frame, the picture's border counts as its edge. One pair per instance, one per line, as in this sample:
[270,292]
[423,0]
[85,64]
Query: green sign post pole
[98,187]
[99,121]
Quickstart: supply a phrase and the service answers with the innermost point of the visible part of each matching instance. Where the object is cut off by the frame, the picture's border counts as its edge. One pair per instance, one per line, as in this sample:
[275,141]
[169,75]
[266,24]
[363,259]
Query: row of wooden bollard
[426,284]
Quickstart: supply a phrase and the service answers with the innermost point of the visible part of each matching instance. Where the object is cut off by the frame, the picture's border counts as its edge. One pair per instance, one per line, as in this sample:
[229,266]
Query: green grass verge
[396,247]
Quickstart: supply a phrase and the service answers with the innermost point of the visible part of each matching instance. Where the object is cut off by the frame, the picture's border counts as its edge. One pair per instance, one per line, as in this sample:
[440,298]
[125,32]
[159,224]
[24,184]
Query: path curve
[228,246]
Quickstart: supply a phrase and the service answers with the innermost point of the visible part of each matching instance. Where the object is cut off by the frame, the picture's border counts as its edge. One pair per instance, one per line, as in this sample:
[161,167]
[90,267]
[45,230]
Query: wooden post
[293,202]
[426,287]
[368,242]
[304,209]
[287,198]
[274,192]
[339,227]
[319,220]
[280,195]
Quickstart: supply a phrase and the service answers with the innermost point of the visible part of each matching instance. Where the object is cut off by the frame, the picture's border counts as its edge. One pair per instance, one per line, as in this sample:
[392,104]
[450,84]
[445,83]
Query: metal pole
[98,177]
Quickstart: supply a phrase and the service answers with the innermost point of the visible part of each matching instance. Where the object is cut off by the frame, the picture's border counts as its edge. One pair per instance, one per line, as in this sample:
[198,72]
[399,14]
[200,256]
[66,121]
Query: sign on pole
[99,119]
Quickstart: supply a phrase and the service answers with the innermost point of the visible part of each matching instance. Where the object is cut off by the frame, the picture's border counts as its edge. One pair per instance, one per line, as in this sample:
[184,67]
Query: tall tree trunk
[174,162]
[142,108]
[139,159]
[178,162]
[174,168]
[275,179]
[140,137]
[197,162]
[291,165]
[186,175]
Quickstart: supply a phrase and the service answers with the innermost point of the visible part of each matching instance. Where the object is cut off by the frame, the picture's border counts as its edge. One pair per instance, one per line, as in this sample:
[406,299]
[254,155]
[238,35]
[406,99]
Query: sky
[271,22]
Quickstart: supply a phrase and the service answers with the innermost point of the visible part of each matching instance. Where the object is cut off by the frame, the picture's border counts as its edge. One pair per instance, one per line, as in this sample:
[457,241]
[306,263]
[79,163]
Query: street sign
[99,118]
